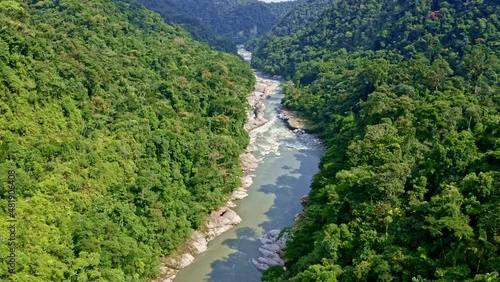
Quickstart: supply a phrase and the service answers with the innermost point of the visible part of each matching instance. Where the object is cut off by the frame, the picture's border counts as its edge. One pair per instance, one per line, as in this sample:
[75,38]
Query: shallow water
[287,165]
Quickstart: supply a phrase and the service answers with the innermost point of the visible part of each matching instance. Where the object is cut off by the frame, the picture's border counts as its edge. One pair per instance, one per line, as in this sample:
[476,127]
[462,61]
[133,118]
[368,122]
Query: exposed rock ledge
[219,222]
[223,218]
[293,120]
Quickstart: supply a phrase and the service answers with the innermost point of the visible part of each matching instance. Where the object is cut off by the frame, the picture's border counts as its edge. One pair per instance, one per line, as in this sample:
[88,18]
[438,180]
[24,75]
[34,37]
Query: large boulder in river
[294,121]
[266,241]
[265,252]
[273,233]
[271,249]
[272,261]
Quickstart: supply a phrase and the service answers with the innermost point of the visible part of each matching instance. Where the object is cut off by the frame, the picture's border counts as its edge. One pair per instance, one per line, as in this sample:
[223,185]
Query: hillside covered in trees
[300,17]
[123,133]
[406,95]
[305,13]
[222,23]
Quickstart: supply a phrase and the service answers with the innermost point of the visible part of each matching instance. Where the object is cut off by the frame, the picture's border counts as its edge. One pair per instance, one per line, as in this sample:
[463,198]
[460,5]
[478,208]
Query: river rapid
[287,163]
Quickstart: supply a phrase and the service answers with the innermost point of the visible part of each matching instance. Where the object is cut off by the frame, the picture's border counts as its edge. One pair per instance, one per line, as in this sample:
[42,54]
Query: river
[287,164]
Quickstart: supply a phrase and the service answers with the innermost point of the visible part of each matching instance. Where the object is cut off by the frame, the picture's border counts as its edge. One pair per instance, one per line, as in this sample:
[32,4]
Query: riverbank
[223,218]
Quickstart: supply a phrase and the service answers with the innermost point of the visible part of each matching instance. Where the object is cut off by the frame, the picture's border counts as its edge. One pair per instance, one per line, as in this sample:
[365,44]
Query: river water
[287,164]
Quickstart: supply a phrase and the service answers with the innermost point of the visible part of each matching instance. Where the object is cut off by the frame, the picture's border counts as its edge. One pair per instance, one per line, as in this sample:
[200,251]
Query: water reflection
[291,183]
[237,266]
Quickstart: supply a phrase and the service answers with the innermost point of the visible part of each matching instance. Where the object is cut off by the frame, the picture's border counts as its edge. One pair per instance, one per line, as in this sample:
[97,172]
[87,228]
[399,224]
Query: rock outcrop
[271,250]
[293,120]
[220,221]
[248,162]
[198,242]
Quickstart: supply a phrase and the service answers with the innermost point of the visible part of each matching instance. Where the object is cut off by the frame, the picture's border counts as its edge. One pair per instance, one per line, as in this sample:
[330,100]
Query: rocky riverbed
[263,89]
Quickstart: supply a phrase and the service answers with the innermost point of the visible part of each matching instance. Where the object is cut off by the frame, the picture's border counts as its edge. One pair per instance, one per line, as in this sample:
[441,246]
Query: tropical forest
[222,23]
[406,95]
[123,133]
[123,124]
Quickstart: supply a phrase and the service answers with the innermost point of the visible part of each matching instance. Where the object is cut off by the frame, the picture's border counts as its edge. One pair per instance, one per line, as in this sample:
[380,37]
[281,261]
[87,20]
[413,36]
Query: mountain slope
[406,96]
[226,19]
[123,134]
[306,12]
[405,28]
[178,13]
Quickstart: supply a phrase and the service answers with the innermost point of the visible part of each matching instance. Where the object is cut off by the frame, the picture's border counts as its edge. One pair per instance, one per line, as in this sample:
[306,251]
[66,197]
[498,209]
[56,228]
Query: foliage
[123,131]
[406,96]
[220,23]
[298,18]
[175,13]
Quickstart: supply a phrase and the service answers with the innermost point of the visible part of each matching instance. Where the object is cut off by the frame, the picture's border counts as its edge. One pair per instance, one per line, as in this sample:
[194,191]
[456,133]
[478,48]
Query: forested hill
[404,27]
[222,23]
[123,133]
[175,13]
[299,18]
[406,95]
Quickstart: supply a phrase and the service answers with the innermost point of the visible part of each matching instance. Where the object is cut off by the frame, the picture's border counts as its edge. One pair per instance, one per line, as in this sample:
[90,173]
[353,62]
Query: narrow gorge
[279,165]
